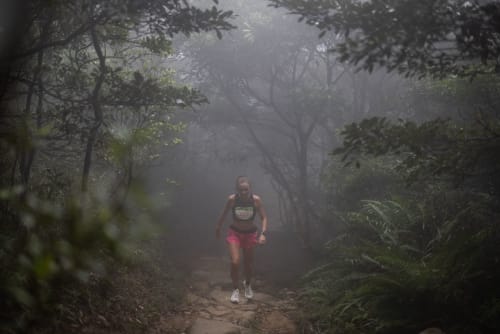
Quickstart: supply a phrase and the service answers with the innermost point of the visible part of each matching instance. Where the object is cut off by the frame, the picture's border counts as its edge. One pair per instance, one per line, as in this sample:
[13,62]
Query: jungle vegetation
[375,122]
[85,104]
[416,205]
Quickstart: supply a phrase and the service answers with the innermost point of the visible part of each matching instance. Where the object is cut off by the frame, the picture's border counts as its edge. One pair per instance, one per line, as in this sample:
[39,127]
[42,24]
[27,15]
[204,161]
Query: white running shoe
[235,296]
[248,290]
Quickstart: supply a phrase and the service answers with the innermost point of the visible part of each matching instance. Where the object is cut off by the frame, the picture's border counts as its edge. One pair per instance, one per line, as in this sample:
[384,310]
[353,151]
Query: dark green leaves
[414,38]
[438,148]
[157,44]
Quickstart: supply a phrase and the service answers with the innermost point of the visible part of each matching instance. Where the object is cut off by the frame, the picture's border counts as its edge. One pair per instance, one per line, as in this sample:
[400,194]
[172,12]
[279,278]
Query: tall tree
[450,200]
[80,102]
[50,28]
[279,90]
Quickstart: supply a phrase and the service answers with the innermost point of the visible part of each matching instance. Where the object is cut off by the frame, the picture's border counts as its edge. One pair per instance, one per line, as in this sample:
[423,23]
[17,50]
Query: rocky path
[207,309]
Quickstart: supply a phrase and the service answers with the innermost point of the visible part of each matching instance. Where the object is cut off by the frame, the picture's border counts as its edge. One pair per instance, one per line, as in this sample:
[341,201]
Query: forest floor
[168,290]
[207,309]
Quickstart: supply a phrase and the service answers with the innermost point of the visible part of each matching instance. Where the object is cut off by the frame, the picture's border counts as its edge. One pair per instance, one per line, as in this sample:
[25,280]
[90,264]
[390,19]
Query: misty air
[250,167]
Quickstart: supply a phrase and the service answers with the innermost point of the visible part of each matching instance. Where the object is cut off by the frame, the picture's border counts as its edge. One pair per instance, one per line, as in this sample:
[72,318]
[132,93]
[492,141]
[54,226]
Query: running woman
[243,233]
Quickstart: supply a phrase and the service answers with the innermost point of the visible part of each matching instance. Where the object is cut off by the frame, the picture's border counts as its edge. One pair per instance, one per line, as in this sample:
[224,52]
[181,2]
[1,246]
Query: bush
[47,245]
[399,267]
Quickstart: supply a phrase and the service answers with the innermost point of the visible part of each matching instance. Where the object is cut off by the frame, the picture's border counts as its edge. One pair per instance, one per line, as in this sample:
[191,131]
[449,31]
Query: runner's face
[244,189]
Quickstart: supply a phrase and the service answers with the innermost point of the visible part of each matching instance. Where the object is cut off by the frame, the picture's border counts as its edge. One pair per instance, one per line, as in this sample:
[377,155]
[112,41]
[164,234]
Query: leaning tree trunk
[96,107]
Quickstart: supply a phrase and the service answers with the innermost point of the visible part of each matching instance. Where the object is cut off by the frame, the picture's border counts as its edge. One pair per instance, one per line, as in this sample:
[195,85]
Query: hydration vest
[244,210]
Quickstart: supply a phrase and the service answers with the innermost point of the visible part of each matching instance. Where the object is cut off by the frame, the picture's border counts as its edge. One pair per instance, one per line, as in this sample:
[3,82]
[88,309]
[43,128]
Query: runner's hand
[262,239]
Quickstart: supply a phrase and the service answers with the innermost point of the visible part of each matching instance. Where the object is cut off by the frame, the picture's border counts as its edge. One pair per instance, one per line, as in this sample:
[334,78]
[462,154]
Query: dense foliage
[411,37]
[87,101]
[401,266]
[412,194]
[418,249]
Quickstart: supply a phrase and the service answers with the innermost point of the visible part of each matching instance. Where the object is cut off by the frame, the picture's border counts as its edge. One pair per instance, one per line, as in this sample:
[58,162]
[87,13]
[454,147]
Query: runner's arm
[263,217]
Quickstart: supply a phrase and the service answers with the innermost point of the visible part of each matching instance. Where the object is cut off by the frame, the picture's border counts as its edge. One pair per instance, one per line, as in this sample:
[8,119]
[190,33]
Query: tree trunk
[96,106]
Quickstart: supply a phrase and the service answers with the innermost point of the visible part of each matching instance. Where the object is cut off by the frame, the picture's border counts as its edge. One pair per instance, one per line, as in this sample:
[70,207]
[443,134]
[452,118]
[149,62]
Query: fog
[266,118]
[277,101]
[369,130]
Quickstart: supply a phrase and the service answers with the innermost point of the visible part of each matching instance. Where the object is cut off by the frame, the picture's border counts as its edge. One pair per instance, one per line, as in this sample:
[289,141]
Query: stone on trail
[193,299]
[210,311]
[173,324]
[277,323]
[218,310]
[205,326]
[260,297]
[243,318]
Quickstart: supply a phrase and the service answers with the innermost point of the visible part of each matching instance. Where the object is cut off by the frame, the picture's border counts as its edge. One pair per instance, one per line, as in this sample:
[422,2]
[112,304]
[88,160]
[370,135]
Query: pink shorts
[244,240]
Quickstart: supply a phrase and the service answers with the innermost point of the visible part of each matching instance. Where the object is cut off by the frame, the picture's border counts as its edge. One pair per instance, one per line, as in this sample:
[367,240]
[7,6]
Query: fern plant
[399,267]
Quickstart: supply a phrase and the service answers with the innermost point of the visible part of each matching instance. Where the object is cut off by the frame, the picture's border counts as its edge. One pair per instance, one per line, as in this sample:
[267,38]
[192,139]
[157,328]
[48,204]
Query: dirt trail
[207,309]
